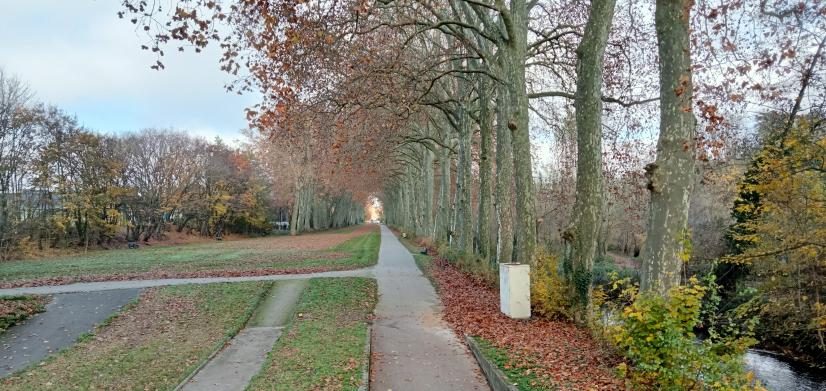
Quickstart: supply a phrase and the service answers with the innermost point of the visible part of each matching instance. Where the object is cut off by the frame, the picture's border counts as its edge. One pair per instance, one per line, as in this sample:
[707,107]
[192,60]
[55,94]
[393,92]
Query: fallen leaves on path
[560,354]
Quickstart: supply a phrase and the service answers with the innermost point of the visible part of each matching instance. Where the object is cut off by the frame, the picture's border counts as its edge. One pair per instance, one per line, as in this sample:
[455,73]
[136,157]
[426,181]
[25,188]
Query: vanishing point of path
[413,348]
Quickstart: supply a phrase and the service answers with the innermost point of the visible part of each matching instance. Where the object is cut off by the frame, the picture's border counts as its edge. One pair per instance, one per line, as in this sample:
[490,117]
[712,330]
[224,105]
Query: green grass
[524,380]
[15,309]
[152,344]
[425,263]
[360,251]
[412,247]
[363,250]
[324,344]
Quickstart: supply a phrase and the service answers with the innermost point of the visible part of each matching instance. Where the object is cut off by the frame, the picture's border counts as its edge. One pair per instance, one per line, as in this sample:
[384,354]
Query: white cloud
[78,55]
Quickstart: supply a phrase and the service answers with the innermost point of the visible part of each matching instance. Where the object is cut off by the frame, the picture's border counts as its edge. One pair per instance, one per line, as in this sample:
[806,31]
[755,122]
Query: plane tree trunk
[582,237]
[671,176]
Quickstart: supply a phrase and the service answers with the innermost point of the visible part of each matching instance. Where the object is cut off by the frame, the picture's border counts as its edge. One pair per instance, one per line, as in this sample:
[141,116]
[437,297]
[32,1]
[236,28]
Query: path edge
[227,339]
[368,350]
[496,378]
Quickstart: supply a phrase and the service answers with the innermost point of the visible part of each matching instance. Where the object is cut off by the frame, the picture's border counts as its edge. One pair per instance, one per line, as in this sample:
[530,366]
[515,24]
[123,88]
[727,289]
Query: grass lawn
[153,344]
[324,345]
[15,309]
[336,250]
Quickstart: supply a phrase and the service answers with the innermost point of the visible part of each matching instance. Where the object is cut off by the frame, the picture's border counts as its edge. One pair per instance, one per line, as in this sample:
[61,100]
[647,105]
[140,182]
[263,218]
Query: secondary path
[67,316]
[233,368]
[139,284]
[413,348]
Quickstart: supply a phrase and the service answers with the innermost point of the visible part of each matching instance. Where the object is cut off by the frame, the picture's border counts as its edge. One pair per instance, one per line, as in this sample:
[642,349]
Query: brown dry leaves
[154,316]
[13,310]
[313,241]
[559,353]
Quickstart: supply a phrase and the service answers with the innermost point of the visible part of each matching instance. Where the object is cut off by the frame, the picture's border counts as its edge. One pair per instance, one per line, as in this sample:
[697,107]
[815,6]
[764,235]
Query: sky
[77,55]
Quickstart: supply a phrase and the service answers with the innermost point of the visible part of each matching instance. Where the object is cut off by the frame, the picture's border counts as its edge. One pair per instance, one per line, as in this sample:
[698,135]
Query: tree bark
[464,224]
[427,193]
[582,237]
[518,122]
[483,227]
[443,214]
[294,215]
[671,176]
[504,181]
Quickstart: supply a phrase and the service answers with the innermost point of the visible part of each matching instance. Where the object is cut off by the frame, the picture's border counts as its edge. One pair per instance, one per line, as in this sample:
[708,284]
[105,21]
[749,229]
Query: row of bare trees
[449,90]
[432,105]
[63,185]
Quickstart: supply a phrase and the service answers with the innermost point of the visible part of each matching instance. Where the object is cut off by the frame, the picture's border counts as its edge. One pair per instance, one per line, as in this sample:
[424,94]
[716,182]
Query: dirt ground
[624,260]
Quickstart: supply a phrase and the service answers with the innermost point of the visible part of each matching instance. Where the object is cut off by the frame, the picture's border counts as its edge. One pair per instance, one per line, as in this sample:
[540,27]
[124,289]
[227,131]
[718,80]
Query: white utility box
[515,290]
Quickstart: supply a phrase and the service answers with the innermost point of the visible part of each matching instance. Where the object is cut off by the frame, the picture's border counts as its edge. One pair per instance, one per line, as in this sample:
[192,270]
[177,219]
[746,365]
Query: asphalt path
[67,316]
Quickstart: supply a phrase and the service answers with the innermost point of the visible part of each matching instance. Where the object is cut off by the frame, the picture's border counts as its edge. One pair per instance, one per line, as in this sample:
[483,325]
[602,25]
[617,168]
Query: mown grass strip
[152,344]
[324,344]
[360,251]
[363,250]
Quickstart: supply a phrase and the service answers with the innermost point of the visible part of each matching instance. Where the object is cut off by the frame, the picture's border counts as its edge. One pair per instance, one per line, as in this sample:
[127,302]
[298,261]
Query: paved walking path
[66,317]
[133,284]
[413,349]
[233,368]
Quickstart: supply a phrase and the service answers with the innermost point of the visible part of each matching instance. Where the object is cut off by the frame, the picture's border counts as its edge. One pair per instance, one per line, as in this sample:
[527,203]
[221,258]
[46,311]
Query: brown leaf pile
[560,354]
[14,310]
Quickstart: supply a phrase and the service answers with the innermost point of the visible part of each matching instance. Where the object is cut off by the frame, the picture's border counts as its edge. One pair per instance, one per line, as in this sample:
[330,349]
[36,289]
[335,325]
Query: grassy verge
[323,347]
[409,244]
[15,309]
[523,377]
[153,344]
[423,262]
[201,259]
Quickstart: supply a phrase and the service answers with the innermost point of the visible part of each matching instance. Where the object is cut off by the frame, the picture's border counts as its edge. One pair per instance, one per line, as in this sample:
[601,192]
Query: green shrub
[656,334]
[605,266]
[470,263]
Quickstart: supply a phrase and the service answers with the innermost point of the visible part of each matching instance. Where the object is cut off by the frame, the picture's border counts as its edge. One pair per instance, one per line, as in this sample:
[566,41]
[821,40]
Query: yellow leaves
[598,298]
[685,251]
[633,313]
[219,209]
[791,185]
[622,370]
[548,288]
